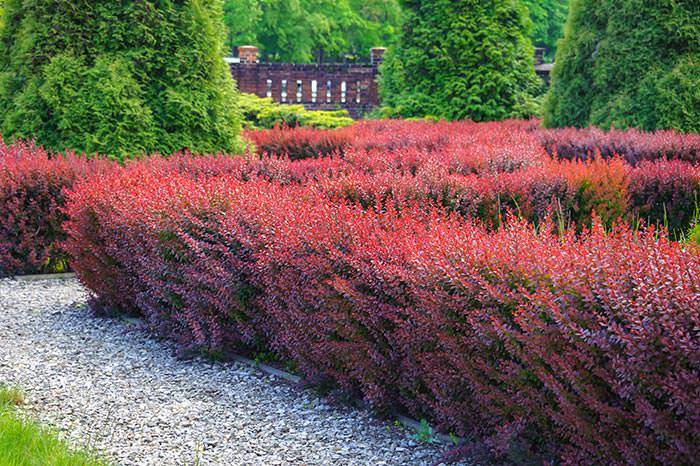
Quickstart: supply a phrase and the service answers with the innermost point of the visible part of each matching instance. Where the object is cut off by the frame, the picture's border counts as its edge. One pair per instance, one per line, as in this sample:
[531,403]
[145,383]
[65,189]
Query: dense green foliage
[628,63]
[548,19]
[117,78]
[309,30]
[264,113]
[461,59]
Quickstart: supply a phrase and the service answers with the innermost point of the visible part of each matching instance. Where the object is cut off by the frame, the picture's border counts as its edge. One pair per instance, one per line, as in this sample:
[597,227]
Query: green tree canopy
[304,30]
[117,77]
[548,19]
[629,63]
[309,30]
[461,59]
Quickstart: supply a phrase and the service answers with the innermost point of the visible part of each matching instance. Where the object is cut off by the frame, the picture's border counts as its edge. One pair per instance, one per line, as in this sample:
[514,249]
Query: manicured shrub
[32,194]
[547,332]
[601,188]
[665,193]
[120,79]
[391,135]
[483,172]
[297,143]
[386,136]
[265,113]
[460,59]
[174,241]
[580,348]
[633,145]
[628,64]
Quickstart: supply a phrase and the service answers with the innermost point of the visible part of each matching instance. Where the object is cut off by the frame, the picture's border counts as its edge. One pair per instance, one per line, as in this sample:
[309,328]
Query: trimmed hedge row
[633,145]
[31,196]
[661,193]
[565,143]
[481,171]
[581,348]
[265,113]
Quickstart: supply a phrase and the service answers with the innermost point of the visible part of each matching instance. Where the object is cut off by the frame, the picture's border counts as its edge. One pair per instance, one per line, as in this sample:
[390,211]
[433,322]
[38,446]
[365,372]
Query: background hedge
[265,113]
[118,78]
[628,64]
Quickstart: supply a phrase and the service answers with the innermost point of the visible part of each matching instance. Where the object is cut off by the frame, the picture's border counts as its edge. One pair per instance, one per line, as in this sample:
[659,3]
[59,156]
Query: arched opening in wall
[314,91]
[358,97]
[299,88]
[343,92]
[329,94]
[284,90]
[269,88]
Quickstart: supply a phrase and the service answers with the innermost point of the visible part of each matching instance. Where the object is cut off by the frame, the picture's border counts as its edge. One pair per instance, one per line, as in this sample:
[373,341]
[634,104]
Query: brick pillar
[248,54]
[377,55]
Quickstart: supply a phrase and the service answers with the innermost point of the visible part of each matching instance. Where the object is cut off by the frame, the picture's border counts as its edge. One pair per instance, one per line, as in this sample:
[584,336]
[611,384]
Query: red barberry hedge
[32,187]
[298,142]
[481,171]
[582,345]
[393,135]
[485,170]
[633,145]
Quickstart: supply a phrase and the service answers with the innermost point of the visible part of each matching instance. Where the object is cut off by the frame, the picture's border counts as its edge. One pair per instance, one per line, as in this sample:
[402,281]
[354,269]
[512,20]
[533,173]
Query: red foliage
[298,143]
[482,171]
[386,267]
[665,193]
[633,145]
[583,344]
[486,170]
[31,197]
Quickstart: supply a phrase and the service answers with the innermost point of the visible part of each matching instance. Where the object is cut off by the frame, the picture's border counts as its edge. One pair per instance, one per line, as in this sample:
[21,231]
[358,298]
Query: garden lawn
[25,443]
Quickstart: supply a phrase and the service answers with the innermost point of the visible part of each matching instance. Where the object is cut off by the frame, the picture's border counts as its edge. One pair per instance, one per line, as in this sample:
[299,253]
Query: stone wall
[352,87]
[317,87]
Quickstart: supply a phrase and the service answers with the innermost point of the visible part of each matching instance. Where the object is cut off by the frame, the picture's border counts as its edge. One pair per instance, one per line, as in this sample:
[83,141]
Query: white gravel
[112,387]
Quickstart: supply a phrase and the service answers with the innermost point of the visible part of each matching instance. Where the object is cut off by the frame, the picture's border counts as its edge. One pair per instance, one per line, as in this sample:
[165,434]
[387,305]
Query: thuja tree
[117,78]
[461,59]
[548,19]
[628,63]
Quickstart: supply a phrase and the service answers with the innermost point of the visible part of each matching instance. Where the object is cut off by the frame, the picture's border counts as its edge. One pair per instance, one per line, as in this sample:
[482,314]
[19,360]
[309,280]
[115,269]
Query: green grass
[25,443]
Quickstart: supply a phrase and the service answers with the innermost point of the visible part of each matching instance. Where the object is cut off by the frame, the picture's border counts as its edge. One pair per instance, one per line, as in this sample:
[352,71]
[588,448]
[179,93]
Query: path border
[40,277]
[406,421]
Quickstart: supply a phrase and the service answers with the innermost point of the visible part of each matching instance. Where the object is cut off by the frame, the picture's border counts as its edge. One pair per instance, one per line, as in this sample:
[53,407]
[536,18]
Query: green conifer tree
[461,59]
[117,78]
[628,63]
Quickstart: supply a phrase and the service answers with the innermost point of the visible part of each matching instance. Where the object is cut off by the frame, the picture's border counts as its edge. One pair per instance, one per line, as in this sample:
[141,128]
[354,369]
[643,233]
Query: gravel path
[112,387]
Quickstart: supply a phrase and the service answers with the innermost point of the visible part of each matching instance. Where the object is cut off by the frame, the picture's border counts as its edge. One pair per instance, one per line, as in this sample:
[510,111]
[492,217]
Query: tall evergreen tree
[548,19]
[628,63]
[117,77]
[306,30]
[461,59]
